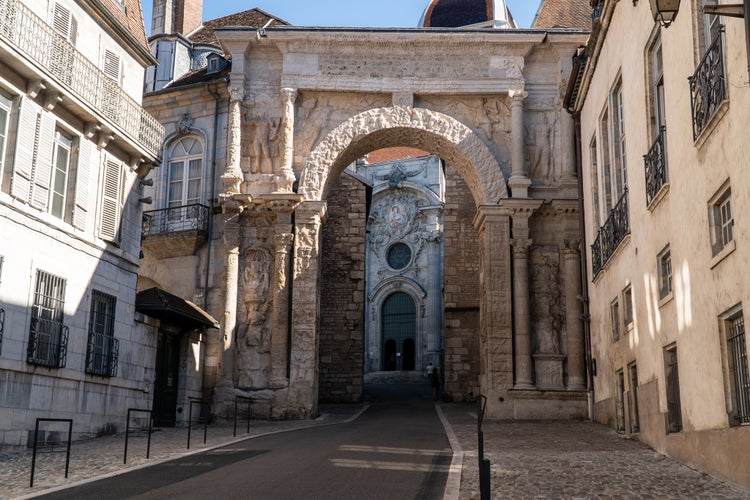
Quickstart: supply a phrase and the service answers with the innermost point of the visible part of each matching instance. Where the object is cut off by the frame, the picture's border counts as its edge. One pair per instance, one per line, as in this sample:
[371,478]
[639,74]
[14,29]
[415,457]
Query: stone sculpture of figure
[547,336]
[265,145]
[540,137]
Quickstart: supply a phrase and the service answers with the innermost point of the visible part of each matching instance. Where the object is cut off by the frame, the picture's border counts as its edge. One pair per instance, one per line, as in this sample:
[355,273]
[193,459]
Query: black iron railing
[102,352]
[176,219]
[48,343]
[33,36]
[614,230]
[708,85]
[656,166]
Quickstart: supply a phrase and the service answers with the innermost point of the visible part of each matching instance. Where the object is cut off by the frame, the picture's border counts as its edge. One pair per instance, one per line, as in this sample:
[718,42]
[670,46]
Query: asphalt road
[396,450]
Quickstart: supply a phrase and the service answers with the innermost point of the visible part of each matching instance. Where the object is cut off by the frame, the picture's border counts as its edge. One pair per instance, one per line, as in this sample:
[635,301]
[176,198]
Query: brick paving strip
[537,459]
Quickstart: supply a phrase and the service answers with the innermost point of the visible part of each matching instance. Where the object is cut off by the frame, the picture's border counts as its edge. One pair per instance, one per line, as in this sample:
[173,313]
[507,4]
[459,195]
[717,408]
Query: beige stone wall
[461,247]
[342,296]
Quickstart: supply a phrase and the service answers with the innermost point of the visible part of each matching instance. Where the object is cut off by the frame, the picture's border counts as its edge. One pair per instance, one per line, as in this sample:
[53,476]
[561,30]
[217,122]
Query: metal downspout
[584,298]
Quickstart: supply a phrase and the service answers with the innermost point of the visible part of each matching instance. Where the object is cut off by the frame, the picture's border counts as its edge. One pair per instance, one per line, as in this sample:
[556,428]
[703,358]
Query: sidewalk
[101,457]
[537,459]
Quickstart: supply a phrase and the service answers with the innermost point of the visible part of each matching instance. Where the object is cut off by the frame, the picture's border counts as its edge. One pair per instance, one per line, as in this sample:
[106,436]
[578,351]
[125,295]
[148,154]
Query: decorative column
[519,181]
[232,177]
[288,96]
[232,212]
[496,329]
[280,325]
[303,379]
[522,332]
[433,324]
[573,327]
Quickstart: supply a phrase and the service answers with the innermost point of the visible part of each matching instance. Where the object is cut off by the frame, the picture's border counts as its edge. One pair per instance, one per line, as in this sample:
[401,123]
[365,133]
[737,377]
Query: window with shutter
[112,65]
[42,172]
[23,162]
[111,201]
[65,24]
[86,158]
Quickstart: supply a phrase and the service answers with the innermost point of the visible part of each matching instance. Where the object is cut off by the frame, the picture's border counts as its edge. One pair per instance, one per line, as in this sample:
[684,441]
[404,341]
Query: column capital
[289,94]
[571,248]
[518,96]
[236,93]
[311,212]
[521,246]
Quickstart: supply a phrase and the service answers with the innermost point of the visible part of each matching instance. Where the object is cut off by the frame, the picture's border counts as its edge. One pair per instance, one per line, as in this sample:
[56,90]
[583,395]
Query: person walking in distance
[435,383]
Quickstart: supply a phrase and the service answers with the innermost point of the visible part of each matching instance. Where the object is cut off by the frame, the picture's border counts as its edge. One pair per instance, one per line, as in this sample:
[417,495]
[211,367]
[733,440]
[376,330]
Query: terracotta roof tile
[392,154]
[253,18]
[564,14]
[131,18]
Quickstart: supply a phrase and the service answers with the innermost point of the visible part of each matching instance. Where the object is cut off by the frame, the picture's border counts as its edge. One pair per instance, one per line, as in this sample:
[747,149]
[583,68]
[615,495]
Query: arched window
[185,173]
[399,322]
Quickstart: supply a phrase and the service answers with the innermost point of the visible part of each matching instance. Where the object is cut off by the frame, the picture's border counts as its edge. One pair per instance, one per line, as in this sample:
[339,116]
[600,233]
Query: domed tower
[467,14]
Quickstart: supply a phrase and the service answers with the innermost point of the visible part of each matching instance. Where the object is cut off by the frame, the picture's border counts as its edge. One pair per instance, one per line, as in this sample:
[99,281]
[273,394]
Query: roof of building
[563,14]
[393,154]
[131,18]
[460,13]
[253,18]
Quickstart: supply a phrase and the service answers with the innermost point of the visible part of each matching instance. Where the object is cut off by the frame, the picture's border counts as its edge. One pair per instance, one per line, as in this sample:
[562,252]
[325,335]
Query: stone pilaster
[522,331]
[573,327]
[232,212]
[303,380]
[283,246]
[433,324]
[288,96]
[496,336]
[519,181]
[232,177]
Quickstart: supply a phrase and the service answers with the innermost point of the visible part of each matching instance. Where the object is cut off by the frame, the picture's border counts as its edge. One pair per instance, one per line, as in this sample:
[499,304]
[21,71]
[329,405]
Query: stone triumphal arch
[305,106]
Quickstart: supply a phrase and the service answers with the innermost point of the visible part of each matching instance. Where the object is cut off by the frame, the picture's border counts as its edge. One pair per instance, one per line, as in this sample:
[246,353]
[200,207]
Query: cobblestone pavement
[529,460]
[572,460]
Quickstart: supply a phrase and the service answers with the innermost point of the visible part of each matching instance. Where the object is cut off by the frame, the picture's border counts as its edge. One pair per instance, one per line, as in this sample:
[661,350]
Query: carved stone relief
[546,301]
[540,146]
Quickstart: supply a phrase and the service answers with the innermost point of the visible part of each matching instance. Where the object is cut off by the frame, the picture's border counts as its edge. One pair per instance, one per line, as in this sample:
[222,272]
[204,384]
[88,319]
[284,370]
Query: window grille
[102,349]
[672,378]
[737,350]
[48,336]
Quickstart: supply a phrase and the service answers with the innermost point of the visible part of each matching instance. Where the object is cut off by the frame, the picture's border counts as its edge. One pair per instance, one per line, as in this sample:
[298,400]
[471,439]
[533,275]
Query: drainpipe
[584,298]
[207,382]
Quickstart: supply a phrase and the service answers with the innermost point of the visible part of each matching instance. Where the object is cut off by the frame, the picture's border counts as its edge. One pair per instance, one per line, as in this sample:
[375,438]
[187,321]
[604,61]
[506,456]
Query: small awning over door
[162,305]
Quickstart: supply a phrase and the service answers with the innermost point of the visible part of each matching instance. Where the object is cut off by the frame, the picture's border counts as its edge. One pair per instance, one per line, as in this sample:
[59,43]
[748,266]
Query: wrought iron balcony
[708,85]
[176,219]
[614,230]
[48,343]
[101,355]
[656,166]
[31,35]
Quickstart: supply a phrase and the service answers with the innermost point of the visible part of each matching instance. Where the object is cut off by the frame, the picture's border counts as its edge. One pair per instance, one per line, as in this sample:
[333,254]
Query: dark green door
[167,376]
[399,320]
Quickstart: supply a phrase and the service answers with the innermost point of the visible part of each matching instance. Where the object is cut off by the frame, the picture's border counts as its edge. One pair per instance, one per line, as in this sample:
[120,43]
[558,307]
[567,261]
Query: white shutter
[61,21]
[164,56]
[43,162]
[112,65]
[81,197]
[23,163]
[110,207]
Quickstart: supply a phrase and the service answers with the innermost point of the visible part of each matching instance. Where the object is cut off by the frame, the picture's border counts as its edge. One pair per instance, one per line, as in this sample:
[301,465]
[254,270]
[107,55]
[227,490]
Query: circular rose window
[399,256]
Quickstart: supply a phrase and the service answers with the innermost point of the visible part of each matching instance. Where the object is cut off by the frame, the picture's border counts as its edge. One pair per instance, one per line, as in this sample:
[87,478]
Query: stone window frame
[665,275]
[736,377]
[721,224]
[628,310]
[189,156]
[614,316]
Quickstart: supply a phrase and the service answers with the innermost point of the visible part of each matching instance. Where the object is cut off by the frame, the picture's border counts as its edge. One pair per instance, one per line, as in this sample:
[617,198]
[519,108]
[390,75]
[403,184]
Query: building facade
[287,261]
[663,128]
[74,145]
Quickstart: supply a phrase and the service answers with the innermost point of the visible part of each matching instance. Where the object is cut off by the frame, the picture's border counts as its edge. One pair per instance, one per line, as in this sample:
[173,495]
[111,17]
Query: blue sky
[372,13]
